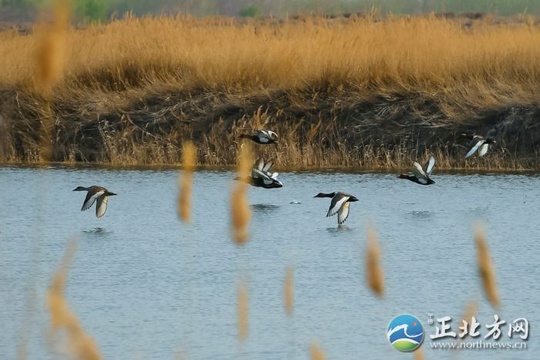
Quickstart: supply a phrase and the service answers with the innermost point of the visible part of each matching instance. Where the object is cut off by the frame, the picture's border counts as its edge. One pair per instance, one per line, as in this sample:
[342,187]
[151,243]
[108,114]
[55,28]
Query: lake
[146,286]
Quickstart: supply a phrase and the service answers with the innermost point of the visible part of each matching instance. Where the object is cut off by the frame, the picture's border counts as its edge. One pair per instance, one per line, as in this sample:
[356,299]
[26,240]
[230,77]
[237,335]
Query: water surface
[146,286]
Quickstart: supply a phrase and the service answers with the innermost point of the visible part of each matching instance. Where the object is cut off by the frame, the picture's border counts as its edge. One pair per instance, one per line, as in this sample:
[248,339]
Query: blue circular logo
[405,333]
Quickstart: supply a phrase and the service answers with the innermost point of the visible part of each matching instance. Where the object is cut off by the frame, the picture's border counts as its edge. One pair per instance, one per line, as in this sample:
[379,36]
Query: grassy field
[356,92]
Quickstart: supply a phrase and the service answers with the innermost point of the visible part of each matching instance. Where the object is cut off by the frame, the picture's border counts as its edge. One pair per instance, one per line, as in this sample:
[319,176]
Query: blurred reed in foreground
[242,307]
[288,291]
[240,211]
[374,271]
[316,351]
[485,266]
[78,343]
[189,161]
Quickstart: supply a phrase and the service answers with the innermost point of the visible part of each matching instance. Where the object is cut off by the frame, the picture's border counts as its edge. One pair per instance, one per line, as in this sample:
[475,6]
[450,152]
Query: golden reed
[316,352]
[485,267]
[189,161]
[418,354]
[374,272]
[242,307]
[80,345]
[50,60]
[288,291]
[240,211]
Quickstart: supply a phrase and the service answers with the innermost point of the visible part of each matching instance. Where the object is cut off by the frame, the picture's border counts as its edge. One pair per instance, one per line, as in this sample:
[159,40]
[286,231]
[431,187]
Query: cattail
[418,354]
[51,49]
[485,267]
[316,352]
[80,345]
[288,291]
[243,311]
[50,59]
[374,272]
[240,211]
[189,160]
[470,311]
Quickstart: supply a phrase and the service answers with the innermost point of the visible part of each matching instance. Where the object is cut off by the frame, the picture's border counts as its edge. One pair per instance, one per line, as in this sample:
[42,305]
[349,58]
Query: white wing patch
[89,201]
[343,213]
[483,149]
[418,171]
[101,206]
[429,165]
[335,207]
[475,147]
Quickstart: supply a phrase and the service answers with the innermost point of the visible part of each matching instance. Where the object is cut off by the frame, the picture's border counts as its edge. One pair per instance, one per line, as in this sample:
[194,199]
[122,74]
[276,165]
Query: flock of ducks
[262,176]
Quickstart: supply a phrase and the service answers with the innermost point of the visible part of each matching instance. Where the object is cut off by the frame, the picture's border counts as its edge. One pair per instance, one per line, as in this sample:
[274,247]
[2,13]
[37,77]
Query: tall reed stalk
[79,344]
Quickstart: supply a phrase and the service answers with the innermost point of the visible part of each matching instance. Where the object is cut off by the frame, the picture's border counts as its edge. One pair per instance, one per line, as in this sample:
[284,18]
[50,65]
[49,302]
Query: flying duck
[480,143]
[261,176]
[421,174]
[98,193]
[262,137]
[340,204]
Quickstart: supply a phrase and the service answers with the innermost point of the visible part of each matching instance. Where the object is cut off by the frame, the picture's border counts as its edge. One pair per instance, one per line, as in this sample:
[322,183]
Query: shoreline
[362,93]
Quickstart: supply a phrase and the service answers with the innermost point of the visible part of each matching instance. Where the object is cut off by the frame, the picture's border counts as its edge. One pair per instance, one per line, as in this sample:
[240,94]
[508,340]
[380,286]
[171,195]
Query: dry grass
[240,210]
[485,267]
[189,161]
[374,271]
[78,344]
[363,92]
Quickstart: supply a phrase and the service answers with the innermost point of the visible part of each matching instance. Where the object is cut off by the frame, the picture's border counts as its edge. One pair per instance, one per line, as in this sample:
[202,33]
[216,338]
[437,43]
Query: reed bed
[358,92]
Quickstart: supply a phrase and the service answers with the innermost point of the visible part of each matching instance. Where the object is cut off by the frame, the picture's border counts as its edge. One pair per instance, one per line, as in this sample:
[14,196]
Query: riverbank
[357,92]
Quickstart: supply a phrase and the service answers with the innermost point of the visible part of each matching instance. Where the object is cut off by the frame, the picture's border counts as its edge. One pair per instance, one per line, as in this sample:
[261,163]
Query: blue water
[146,286]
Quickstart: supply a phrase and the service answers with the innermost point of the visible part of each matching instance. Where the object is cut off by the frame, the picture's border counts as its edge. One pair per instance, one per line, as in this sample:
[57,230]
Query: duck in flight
[261,176]
[421,174]
[340,204]
[95,193]
[262,137]
[479,143]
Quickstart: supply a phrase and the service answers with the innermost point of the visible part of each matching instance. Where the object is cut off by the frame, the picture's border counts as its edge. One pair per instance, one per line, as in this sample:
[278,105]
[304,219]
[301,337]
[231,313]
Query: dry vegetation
[358,92]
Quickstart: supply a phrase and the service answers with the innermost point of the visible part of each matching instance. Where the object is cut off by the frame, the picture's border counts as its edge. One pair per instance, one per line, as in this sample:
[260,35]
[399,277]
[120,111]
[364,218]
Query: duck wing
[101,205]
[91,197]
[428,166]
[476,144]
[483,149]
[343,213]
[418,171]
[263,136]
[267,166]
[337,203]
[256,173]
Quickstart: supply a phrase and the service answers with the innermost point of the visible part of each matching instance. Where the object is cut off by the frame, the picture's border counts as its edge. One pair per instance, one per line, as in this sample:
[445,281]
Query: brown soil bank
[360,92]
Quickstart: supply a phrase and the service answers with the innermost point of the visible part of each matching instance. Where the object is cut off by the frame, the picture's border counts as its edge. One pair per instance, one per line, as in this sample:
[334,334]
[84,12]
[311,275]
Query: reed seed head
[374,271]
[288,291]
[240,211]
[51,48]
[189,161]
[79,344]
[485,267]
[316,351]
[243,311]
